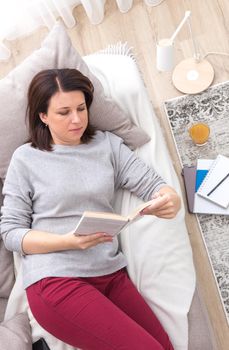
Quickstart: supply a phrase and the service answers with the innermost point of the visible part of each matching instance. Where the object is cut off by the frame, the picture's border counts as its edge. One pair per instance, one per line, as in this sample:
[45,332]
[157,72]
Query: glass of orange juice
[199,133]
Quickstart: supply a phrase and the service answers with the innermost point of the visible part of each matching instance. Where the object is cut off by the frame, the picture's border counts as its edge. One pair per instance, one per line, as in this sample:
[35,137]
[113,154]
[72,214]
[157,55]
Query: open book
[110,223]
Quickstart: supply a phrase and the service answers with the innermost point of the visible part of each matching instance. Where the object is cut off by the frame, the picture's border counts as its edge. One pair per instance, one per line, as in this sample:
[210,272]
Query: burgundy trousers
[97,313]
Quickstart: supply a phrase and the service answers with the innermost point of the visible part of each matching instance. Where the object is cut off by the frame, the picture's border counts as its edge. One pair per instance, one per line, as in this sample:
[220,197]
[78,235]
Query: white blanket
[158,251]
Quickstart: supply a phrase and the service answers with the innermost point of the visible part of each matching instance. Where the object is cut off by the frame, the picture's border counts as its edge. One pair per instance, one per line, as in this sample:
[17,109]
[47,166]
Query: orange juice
[199,133]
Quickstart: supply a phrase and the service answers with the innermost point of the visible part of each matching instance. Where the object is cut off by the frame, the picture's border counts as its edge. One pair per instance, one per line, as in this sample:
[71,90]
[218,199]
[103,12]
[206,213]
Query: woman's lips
[76,129]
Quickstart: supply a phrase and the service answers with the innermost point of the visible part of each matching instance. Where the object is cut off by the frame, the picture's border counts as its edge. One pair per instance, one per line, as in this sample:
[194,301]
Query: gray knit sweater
[49,191]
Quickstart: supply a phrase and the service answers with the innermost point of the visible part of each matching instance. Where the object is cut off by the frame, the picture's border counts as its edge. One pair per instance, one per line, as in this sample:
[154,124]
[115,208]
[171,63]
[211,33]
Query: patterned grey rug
[211,107]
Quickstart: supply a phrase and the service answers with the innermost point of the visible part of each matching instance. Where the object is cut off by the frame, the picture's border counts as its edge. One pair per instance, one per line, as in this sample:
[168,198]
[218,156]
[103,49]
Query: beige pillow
[15,334]
[6,265]
[56,52]
[3,304]
[6,271]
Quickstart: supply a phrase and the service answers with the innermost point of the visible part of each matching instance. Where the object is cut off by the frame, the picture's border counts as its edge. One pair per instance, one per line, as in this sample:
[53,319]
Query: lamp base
[192,76]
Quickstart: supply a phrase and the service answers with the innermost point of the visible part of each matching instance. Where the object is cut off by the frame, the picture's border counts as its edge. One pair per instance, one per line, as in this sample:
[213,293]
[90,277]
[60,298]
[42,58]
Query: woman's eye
[81,109]
[68,112]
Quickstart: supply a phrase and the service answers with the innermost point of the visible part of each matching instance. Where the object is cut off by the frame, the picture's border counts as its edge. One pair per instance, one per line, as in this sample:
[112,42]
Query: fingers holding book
[166,204]
[83,242]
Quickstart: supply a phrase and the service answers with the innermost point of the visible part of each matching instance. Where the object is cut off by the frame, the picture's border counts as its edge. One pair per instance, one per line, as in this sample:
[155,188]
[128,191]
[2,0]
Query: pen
[214,188]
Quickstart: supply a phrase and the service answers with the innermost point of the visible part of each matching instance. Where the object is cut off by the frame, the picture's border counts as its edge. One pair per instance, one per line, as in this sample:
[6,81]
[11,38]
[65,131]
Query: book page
[104,215]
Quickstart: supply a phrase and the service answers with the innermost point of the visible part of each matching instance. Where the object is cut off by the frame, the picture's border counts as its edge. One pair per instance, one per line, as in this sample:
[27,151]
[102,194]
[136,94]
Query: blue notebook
[200,175]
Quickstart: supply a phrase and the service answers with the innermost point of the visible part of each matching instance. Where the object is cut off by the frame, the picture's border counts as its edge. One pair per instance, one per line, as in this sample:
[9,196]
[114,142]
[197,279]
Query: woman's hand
[166,205]
[83,242]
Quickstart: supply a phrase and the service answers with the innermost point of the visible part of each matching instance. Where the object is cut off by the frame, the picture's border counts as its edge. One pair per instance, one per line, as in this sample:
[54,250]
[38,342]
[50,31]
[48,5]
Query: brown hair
[42,87]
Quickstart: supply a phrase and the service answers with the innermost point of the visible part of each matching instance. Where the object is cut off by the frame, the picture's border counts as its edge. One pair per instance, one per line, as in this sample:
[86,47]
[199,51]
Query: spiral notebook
[215,186]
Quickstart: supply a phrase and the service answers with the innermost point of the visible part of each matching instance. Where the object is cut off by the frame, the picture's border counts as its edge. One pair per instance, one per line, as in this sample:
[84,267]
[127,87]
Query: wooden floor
[141,27]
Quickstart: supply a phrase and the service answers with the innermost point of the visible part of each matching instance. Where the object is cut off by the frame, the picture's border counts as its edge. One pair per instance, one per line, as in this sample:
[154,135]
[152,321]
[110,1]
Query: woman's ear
[43,117]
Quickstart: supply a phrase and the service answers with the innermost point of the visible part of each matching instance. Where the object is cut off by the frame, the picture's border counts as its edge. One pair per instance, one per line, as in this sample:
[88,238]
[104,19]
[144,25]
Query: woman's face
[67,117]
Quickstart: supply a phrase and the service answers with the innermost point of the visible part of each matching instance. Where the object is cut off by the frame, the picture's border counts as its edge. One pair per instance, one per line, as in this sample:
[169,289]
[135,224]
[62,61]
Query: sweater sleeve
[132,173]
[17,207]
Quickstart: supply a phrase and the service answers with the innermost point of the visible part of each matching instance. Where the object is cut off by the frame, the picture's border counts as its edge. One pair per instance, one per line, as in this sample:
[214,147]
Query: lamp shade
[165,56]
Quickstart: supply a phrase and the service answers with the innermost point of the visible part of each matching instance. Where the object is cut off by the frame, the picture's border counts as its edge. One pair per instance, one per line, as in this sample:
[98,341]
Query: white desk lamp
[190,76]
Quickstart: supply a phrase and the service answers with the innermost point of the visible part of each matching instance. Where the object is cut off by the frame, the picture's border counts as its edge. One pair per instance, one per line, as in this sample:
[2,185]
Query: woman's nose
[75,117]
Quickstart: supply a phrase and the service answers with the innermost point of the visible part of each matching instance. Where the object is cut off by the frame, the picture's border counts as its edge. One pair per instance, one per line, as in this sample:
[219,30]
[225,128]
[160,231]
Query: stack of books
[207,186]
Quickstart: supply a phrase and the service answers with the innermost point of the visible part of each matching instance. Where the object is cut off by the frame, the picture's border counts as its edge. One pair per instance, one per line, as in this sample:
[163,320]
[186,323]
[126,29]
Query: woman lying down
[77,286]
